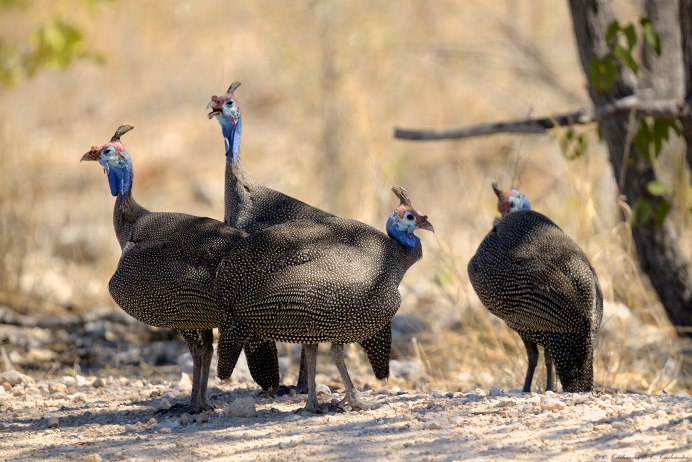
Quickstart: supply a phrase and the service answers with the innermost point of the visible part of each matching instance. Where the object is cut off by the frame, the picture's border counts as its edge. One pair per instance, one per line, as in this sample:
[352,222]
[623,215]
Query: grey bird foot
[356,404]
[315,407]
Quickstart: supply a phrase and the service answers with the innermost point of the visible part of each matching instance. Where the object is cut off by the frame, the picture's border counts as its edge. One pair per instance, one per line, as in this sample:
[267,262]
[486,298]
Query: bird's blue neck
[232,132]
[120,180]
[404,237]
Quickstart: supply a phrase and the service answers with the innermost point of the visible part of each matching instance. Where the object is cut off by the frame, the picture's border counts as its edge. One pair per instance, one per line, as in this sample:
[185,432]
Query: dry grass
[323,85]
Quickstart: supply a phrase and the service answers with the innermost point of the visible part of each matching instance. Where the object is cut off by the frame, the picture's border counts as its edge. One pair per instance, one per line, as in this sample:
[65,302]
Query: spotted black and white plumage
[166,271]
[253,207]
[308,282]
[529,273]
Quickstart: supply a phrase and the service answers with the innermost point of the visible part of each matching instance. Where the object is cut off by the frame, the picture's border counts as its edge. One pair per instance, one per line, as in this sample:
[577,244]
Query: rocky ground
[98,386]
[126,418]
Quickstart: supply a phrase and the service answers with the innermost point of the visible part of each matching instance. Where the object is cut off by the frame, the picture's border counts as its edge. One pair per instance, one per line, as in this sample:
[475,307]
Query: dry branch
[537,125]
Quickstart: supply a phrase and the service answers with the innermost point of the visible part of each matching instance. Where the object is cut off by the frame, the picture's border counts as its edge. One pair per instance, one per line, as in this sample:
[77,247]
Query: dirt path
[86,418]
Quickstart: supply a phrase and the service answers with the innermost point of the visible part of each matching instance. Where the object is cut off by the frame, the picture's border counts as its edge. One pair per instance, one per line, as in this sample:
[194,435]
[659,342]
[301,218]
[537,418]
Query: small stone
[202,418]
[293,418]
[581,398]
[289,443]
[241,407]
[152,422]
[494,391]
[13,378]
[53,422]
[186,419]
[165,404]
[82,381]
[551,404]
[93,458]
[129,428]
[322,389]
[98,383]
[57,387]
[166,431]
[436,424]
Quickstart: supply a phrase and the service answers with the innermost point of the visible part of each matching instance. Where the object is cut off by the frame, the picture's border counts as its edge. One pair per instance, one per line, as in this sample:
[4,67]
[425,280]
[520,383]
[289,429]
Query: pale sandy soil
[89,418]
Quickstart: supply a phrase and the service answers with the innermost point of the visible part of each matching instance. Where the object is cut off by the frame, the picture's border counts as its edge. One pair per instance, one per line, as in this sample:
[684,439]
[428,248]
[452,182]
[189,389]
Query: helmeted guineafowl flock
[278,269]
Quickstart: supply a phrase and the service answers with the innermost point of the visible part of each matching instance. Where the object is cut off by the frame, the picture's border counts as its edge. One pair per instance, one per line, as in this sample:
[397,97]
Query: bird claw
[357,404]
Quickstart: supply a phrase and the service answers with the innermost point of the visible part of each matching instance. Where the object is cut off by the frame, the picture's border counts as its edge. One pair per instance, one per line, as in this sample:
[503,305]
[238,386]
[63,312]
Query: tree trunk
[659,254]
[686,33]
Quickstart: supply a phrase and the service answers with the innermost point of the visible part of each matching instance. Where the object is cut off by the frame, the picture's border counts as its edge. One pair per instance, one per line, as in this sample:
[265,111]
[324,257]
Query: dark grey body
[252,207]
[529,273]
[306,282]
[165,278]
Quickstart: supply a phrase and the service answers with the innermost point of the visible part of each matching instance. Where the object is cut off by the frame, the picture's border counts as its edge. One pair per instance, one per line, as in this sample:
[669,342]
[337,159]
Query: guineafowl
[308,282]
[530,274]
[253,207]
[166,271]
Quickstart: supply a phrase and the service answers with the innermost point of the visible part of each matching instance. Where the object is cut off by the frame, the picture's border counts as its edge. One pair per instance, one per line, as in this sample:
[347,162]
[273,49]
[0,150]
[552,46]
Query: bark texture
[659,254]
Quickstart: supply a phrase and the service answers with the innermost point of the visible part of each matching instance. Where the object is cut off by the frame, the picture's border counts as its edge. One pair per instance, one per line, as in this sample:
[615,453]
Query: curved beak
[91,155]
[423,223]
[215,106]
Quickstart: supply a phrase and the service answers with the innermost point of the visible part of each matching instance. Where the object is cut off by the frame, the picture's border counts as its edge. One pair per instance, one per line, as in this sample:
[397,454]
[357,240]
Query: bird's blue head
[405,220]
[225,109]
[510,201]
[115,161]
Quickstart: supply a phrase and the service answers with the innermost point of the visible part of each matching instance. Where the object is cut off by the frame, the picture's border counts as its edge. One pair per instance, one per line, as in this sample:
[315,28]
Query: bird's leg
[550,377]
[302,385]
[312,405]
[350,398]
[532,352]
[207,351]
[194,340]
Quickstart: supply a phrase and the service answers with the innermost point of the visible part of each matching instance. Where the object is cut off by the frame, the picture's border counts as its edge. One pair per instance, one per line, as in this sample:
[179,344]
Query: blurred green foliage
[621,40]
[54,44]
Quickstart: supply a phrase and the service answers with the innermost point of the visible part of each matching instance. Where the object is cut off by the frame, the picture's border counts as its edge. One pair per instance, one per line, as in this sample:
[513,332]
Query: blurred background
[323,86]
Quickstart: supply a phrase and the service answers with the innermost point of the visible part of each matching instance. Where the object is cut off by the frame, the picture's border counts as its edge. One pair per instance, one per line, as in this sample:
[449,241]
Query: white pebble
[551,404]
[494,391]
[186,419]
[241,407]
[436,424]
[164,404]
[53,422]
[201,418]
[322,389]
[13,378]
[56,387]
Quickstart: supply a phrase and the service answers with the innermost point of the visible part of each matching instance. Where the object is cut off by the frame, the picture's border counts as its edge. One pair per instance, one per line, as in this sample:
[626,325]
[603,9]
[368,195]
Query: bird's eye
[229,103]
[409,216]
